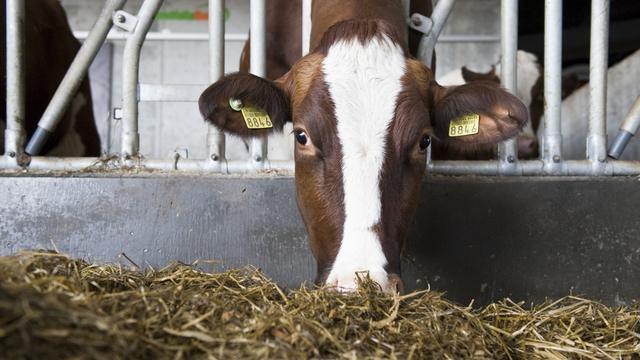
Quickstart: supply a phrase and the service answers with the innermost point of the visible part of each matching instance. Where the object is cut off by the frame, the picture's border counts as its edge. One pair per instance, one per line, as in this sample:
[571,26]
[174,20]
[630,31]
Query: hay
[52,306]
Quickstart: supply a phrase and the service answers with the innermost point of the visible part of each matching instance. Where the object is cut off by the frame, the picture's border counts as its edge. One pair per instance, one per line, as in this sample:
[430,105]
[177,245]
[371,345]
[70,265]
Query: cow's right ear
[267,95]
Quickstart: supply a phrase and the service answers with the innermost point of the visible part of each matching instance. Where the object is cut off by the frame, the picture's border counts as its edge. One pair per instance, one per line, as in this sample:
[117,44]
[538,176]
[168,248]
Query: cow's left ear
[270,97]
[498,114]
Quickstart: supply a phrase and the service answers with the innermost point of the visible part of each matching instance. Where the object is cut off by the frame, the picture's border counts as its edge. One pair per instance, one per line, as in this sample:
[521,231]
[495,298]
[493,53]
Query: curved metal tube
[130,72]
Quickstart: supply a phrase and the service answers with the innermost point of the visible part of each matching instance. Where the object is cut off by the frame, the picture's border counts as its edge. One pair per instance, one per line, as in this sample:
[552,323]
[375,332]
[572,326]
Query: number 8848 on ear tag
[464,125]
[256,118]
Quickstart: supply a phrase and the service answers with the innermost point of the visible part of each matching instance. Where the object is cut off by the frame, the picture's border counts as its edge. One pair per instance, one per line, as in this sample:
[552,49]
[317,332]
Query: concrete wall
[475,238]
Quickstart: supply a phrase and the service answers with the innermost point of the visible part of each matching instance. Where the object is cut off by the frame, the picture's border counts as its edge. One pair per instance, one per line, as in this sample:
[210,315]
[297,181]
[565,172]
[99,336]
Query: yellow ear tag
[464,125]
[254,117]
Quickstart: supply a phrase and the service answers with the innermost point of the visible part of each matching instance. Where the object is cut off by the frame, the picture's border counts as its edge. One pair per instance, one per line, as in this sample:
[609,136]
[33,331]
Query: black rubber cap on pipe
[620,142]
[37,141]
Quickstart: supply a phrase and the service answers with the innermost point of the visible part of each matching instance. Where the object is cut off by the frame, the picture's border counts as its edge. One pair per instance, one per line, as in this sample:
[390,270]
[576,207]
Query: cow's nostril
[395,283]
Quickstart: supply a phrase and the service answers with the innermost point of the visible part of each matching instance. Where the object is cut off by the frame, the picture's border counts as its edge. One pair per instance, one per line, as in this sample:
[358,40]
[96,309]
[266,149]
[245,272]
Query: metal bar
[170,93]
[533,168]
[237,37]
[306,26]
[462,38]
[485,168]
[258,67]
[166,36]
[48,163]
[597,137]
[15,87]
[628,129]
[73,78]
[130,69]
[428,42]
[508,150]
[406,13]
[215,137]
[552,140]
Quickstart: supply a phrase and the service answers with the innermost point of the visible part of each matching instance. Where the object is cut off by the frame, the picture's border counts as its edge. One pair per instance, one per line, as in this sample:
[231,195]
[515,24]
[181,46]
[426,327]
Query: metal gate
[551,161]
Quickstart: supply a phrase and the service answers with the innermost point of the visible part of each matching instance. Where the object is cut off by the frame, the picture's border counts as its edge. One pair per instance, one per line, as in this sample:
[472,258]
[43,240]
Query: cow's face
[363,116]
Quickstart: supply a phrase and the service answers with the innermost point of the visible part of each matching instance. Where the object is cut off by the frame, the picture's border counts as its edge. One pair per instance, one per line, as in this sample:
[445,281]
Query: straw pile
[52,306]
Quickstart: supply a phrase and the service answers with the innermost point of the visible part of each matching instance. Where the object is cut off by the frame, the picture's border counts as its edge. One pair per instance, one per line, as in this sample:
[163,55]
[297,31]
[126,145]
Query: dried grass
[52,306]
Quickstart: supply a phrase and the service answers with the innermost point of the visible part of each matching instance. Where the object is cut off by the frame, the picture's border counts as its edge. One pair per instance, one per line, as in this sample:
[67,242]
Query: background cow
[50,48]
[363,113]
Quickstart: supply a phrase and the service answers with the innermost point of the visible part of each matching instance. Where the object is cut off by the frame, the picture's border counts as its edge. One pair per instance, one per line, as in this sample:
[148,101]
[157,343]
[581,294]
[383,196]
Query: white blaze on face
[364,83]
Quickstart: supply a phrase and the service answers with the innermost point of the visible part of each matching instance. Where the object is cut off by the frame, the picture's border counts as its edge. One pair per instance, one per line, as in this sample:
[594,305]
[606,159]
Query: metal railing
[137,30]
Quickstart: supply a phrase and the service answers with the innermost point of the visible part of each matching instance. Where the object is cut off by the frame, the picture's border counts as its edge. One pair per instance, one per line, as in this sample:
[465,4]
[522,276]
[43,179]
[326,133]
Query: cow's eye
[425,142]
[301,137]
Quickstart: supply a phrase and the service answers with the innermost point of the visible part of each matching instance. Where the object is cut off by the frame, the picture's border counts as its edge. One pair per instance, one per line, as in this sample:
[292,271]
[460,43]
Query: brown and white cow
[50,47]
[363,112]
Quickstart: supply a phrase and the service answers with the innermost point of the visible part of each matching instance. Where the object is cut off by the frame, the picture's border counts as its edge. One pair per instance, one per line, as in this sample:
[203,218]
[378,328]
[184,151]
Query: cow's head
[363,114]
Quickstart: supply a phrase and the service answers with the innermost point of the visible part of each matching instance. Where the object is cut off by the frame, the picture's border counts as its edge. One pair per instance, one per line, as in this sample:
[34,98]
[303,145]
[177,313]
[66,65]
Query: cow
[50,47]
[364,112]
[528,89]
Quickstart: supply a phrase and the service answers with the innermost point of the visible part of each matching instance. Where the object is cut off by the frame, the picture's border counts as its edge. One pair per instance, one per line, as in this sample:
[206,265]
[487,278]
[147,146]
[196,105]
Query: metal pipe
[597,137]
[534,168]
[130,69]
[464,38]
[258,67]
[14,134]
[238,37]
[485,168]
[42,163]
[72,80]
[428,42]
[628,129]
[215,137]
[306,26]
[166,36]
[406,13]
[552,140]
[508,150]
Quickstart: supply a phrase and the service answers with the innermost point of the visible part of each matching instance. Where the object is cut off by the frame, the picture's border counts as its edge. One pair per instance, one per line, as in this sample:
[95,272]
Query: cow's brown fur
[50,49]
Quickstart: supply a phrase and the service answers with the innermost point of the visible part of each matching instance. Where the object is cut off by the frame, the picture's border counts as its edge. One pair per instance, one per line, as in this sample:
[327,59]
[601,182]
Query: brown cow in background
[50,47]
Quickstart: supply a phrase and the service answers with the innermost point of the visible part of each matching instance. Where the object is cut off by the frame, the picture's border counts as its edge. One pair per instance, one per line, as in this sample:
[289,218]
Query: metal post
[258,67]
[130,68]
[15,108]
[628,129]
[73,78]
[508,150]
[597,138]
[406,13]
[552,141]
[215,137]
[306,26]
[428,42]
